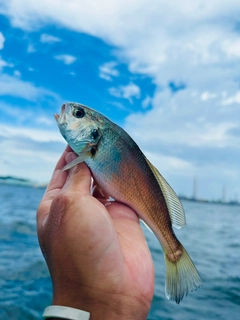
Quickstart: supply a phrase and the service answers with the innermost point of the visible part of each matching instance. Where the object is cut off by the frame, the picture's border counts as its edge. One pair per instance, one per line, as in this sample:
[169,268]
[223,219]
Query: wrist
[112,306]
[63,312]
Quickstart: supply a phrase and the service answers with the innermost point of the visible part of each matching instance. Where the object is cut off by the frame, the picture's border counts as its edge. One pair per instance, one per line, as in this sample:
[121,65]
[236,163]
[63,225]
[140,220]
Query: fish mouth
[57,116]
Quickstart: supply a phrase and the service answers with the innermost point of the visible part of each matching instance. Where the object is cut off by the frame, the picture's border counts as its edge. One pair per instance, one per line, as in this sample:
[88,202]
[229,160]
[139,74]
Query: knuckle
[62,200]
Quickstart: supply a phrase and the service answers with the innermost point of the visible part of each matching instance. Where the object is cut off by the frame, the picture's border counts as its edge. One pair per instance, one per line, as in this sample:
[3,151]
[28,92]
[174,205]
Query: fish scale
[122,171]
[141,185]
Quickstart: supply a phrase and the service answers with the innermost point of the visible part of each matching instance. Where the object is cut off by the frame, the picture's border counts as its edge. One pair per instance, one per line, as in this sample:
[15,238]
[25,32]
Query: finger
[59,177]
[79,177]
[126,223]
[56,183]
[120,211]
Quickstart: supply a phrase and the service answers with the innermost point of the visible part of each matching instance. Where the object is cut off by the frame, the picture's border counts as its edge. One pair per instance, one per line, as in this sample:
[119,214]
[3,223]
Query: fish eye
[78,113]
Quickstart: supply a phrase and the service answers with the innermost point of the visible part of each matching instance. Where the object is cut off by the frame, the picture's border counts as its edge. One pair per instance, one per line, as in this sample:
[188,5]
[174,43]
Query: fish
[121,170]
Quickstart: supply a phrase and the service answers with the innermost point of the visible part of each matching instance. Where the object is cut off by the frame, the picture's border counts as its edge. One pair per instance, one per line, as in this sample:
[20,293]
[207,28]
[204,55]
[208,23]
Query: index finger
[56,183]
[59,177]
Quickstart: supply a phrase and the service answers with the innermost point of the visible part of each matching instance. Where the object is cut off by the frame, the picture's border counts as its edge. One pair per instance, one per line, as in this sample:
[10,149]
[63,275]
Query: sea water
[212,238]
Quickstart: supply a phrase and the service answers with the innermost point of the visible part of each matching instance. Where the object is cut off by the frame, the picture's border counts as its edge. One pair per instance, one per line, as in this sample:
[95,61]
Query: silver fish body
[122,171]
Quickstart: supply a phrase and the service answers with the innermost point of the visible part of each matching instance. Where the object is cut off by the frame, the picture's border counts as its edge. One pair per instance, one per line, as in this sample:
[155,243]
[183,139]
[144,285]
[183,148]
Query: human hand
[96,253]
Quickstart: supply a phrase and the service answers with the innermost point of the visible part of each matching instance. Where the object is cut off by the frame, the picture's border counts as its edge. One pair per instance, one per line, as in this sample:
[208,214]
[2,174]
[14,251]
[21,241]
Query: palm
[95,251]
[128,255]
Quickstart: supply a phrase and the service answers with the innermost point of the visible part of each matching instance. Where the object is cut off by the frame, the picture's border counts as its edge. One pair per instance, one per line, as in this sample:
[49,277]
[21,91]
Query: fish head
[80,126]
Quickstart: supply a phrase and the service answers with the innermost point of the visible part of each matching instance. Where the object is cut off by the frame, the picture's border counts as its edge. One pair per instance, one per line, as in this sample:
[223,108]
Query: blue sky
[166,71]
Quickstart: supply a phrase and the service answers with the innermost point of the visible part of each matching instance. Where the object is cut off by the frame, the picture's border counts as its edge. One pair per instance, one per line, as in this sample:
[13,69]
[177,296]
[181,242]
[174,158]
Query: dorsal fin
[174,205]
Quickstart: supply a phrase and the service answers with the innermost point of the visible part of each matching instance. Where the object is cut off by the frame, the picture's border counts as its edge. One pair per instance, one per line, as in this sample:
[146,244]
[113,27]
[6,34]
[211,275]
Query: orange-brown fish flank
[122,171]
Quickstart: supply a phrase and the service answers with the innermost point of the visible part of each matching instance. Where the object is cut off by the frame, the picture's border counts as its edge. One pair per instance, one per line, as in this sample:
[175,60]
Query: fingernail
[70,156]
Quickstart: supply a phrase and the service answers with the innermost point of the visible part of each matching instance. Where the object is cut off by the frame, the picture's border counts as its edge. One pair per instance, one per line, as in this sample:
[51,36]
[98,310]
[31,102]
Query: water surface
[212,238]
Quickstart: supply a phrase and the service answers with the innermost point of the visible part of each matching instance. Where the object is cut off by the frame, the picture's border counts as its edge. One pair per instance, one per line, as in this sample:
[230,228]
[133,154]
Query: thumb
[79,177]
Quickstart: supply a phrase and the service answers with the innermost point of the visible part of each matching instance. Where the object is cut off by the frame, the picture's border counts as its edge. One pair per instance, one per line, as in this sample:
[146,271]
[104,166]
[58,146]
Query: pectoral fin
[174,205]
[82,157]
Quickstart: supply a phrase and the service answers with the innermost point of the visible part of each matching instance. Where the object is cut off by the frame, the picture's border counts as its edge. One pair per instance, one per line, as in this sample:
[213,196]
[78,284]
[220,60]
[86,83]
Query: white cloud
[66,58]
[163,40]
[41,118]
[14,112]
[2,40]
[36,150]
[232,99]
[232,47]
[175,35]
[32,134]
[127,92]
[173,122]
[146,102]
[33,155]
[46,121]
[184,137]
[107,71]
[47,38]
[3,64]
[17,73]
[13,86]
[208,95]
[191,42]
[31,48]
[170,163]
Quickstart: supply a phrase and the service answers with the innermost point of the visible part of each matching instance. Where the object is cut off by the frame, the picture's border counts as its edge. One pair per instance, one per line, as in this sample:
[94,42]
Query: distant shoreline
[10,180]
[231,203]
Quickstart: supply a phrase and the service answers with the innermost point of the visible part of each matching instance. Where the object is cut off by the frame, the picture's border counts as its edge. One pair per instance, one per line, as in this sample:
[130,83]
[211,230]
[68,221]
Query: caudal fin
[181,277]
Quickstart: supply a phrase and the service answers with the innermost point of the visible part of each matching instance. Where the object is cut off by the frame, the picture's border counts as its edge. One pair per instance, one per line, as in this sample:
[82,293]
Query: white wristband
[65,313]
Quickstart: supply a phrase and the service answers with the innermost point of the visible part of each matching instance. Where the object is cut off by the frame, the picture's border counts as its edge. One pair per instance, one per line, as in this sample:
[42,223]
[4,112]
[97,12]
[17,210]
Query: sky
[168,72]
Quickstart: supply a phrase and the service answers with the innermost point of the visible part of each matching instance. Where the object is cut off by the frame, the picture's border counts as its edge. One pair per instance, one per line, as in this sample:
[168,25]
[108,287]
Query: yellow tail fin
[181,277]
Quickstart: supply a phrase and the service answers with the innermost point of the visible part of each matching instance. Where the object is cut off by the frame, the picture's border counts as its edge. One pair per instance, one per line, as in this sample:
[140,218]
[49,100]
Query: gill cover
[83,134]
